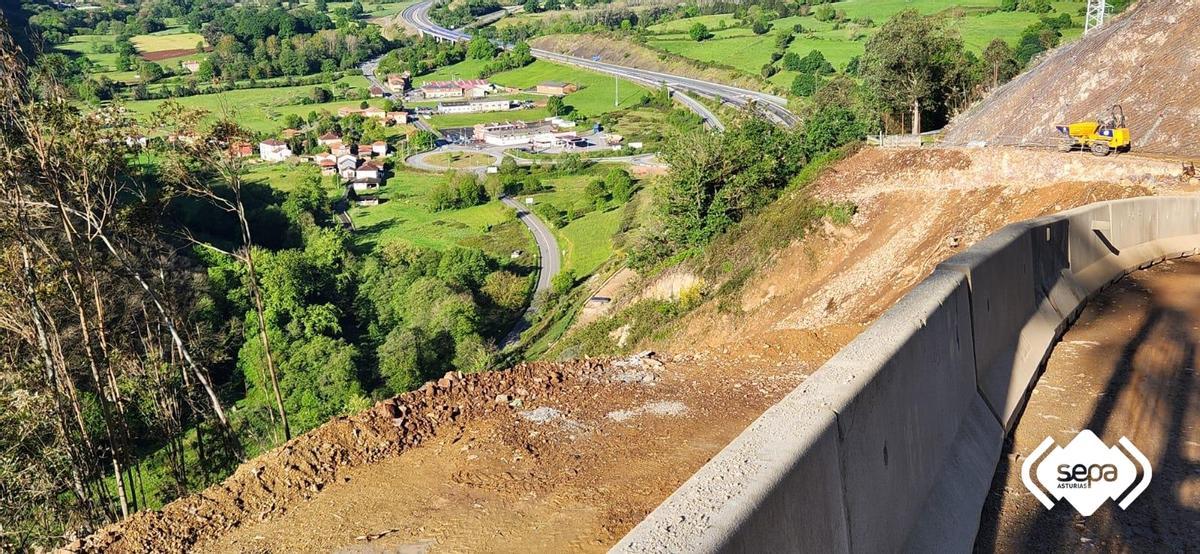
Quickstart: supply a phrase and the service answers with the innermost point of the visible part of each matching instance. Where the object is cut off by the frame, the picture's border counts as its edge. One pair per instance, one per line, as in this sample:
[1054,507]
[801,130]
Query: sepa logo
[1087,473]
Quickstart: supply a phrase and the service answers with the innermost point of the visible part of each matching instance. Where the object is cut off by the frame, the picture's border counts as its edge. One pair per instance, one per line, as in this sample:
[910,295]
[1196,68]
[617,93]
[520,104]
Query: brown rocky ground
[1127,368]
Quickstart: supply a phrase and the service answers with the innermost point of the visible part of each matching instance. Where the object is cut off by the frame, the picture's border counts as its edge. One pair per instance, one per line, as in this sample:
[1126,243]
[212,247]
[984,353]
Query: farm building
[556,88]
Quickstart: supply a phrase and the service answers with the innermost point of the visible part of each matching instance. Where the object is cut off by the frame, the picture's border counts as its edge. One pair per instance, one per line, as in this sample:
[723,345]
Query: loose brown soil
[167,54]
[1126,369]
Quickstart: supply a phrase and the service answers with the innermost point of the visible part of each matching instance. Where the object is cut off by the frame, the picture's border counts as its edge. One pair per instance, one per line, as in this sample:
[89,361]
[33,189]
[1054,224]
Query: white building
[379,147]
[368,170]
[273,150]
[474,106]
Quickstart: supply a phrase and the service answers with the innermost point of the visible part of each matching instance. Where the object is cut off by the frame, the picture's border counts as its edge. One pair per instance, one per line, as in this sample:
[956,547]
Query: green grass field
[740,48]
[258,109]
[87,45]
[404,215]
[452,120]
[594,97]
[587,240]
[596,93]
[460,160]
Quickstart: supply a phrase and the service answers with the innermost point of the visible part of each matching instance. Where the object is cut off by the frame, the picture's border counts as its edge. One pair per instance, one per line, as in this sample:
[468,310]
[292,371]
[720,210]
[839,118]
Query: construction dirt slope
[1145,60]
[570,456]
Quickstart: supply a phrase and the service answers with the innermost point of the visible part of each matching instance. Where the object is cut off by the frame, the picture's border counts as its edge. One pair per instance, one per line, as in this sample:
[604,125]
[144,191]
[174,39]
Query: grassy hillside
[735,45]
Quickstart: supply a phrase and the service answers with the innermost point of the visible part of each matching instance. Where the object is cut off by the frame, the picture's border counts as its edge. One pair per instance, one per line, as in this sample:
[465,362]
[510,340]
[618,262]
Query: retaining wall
[892,444]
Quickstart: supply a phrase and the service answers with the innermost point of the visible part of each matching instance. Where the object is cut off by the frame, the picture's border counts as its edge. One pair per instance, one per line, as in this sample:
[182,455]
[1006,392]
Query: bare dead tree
[220,149]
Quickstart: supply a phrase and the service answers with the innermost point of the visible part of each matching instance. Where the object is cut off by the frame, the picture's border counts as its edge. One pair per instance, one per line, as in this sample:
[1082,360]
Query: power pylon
[1096,10]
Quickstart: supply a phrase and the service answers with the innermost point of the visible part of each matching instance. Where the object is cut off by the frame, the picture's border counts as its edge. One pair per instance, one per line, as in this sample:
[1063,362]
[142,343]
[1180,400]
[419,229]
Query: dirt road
[1127,368]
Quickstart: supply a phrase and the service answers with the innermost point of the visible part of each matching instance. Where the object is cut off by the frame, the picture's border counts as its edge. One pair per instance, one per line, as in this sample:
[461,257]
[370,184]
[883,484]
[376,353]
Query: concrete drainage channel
[892,444]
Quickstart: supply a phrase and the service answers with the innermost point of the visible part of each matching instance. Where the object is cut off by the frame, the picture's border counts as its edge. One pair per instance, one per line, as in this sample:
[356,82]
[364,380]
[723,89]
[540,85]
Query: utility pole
[1096,10]
[616,91]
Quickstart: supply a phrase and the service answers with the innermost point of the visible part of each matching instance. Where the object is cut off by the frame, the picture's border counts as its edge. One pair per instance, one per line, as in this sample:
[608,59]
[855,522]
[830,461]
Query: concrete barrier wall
[892,444]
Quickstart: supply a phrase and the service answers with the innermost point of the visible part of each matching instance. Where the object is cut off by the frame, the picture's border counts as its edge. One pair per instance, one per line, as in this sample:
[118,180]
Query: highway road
[551,261]
[774,107]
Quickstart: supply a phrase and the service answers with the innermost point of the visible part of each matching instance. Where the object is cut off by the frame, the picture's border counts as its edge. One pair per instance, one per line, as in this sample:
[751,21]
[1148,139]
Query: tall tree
[914,65]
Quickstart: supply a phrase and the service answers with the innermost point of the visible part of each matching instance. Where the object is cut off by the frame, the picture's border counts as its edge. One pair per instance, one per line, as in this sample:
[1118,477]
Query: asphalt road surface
[775,107]
[551,262]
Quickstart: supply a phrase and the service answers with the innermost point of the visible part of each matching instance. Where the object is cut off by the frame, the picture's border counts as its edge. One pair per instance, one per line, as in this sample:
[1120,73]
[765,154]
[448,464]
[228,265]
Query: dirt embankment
[623,52]
[1145,60]
[914,209]
[268,485]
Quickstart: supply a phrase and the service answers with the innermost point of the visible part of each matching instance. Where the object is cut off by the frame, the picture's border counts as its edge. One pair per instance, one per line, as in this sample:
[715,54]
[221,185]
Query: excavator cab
[1101,136]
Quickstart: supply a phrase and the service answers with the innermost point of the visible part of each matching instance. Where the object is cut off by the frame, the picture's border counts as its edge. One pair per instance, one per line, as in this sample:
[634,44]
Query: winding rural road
[550,256]
[774,107]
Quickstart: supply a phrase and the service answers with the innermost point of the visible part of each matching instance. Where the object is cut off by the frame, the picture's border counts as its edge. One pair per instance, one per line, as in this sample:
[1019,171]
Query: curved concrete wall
[892,444]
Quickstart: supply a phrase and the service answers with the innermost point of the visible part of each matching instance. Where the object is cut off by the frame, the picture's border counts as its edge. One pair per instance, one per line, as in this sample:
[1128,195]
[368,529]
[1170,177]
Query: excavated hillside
[1145,60]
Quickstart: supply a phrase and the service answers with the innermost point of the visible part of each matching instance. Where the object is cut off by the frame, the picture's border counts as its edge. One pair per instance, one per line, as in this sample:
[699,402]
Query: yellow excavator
[1101,136]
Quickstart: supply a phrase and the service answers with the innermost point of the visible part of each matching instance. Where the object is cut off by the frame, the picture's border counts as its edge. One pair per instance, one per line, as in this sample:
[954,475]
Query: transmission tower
[1096,9]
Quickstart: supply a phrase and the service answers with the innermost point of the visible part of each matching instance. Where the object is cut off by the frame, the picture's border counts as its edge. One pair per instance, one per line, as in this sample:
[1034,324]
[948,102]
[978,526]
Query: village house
[397,118]
[368,200]
[377,91]
[241,150]
[346,111]
[191,65]
[329,138]
[346,166]
[327,163]
[340,150]
[379,147]
[398,82]
[273,150]
[368,170]
[474,106]
[364,151]
[374,112]
[556,88]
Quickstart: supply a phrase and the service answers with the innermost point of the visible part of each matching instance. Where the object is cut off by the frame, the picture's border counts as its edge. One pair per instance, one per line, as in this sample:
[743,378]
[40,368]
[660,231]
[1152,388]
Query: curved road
[551,261]
[775,107]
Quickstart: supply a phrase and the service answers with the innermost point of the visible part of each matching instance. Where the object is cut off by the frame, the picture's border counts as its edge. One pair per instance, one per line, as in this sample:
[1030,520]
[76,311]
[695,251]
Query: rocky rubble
[265,486]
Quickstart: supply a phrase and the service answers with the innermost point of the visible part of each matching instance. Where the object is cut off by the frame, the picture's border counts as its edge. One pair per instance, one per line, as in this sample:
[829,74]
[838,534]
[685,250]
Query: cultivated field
[171,39]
